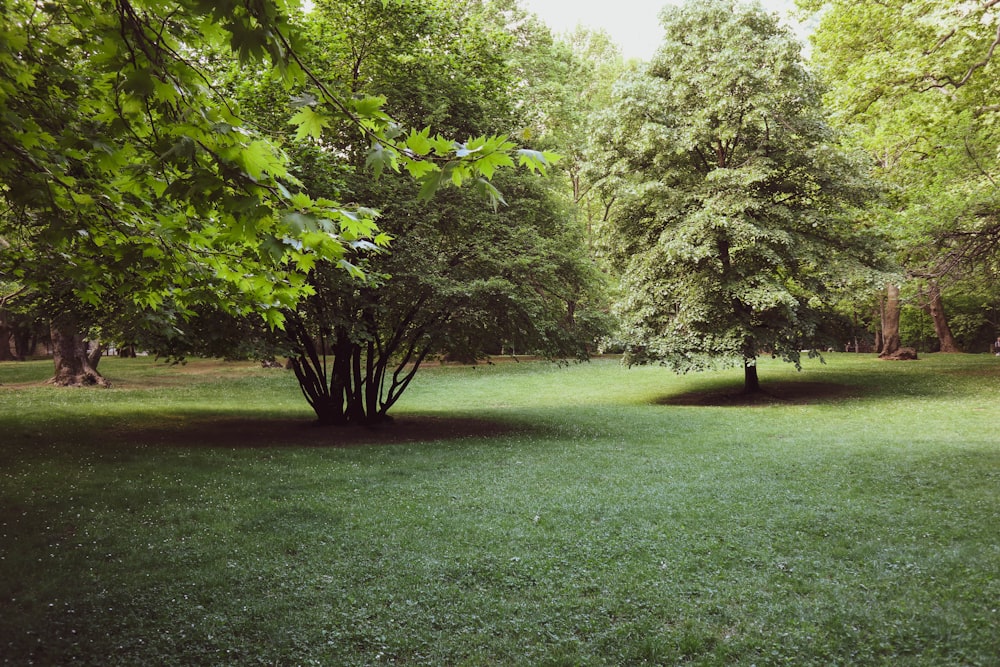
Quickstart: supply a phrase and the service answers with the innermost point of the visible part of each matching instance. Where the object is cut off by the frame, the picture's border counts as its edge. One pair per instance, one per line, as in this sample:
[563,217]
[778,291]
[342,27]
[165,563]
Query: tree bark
[935,308]
[75,363]
[25,343]
[6,335]
[878,338]
[751,383]
[890,322]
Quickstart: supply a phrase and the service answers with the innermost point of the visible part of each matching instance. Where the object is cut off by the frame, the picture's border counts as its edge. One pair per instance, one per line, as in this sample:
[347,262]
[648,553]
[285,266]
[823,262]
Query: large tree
[915,81]
[461,280]
[736,211]
[128,174]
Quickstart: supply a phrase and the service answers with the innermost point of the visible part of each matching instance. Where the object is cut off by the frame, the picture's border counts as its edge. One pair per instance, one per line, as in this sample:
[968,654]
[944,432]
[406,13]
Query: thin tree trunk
[935,308]
[72,357]
[25,343]
[878,332]
[751,383]
[356,396]
[6,334]
[95,351]
[340,375]
[890,321]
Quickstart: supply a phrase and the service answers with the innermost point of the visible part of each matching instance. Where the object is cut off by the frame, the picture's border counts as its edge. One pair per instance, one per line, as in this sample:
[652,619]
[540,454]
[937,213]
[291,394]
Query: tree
[461,280]
[736,211]
[487,281]
[7,293]
[595,63]
[915,83]
[127,173]
[890,322]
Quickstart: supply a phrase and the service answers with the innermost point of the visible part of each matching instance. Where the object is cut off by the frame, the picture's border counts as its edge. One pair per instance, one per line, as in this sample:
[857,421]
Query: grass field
[515,514]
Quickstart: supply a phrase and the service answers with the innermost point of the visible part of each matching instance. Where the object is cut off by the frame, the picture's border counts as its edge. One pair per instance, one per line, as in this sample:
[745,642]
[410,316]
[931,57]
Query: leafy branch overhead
[125,165]
[434,161]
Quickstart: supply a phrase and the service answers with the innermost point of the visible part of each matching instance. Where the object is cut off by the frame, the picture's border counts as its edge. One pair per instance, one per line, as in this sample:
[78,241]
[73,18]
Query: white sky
[631,23]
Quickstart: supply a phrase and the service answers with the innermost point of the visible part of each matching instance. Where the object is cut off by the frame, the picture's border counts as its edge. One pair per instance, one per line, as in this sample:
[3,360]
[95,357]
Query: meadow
[513,514]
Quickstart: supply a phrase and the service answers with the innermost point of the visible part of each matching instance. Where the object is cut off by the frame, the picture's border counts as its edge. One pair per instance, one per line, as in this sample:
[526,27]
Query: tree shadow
[250,433]
[772,393]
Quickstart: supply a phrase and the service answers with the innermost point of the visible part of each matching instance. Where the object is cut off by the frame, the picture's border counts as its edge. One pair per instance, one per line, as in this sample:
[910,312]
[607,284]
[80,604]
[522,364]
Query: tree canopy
[253,170]
[736,212]
[915,84]
[461,280]
[132,181]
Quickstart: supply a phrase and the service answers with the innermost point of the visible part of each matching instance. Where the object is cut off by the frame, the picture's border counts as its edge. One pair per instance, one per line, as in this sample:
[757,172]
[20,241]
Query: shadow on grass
[249,433]
[772,393]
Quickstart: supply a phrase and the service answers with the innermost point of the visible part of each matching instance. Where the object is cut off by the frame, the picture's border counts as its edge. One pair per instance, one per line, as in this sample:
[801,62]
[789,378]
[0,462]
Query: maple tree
[129,176]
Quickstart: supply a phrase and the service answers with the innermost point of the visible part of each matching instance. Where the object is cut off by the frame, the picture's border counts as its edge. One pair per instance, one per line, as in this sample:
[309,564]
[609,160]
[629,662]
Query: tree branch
[948,81]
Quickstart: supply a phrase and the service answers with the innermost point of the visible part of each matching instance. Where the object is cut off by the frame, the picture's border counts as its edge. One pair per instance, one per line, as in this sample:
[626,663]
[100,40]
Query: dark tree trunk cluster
[350,382]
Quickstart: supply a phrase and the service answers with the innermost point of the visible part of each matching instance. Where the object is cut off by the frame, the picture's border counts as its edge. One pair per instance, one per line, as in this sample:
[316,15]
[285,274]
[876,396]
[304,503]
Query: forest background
[248,179]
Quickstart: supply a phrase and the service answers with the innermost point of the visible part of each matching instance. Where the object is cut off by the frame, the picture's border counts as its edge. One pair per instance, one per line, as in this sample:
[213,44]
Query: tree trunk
[309,362]
[25,343]
[890,322]
[751,383]
[6,334]
[95,351]
[74,361]
[935,308]
[878,340]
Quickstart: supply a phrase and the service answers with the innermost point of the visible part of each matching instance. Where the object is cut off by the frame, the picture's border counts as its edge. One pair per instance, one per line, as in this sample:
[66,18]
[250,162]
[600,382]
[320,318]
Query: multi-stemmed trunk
[347,382]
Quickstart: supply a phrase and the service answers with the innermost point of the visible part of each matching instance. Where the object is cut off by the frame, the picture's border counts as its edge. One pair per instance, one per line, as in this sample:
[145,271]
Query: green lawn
[540,515]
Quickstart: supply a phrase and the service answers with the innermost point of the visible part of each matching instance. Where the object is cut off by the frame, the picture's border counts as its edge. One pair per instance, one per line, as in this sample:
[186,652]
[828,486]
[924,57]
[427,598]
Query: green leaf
[258,158]
[535,161]
[370,107]
[442,146]
[301,200]
[494,196]
[351,269]
[309,123]
[379,157]
[488,164]
[82,199]
[429,185]
[419,142]
[459,173]
[420,168]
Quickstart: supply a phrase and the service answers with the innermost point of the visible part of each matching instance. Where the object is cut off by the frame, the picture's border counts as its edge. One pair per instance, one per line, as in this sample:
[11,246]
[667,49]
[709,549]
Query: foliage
[460,280]
[915,83]
[736,213]
[125,174]
[129,176]
[581,70]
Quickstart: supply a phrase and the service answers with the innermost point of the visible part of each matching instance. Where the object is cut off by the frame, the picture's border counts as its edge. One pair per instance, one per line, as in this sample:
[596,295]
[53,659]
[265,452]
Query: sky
[633,24]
